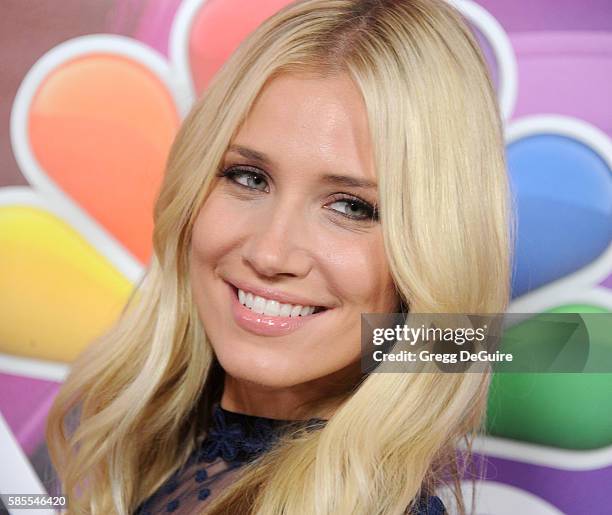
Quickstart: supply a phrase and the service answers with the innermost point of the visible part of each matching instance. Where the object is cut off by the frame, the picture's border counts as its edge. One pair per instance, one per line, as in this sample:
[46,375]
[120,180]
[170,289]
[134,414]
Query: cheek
[360,272]
[210,237]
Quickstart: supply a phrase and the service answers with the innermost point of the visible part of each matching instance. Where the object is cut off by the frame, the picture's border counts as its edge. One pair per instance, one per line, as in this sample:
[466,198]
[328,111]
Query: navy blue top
[232,440]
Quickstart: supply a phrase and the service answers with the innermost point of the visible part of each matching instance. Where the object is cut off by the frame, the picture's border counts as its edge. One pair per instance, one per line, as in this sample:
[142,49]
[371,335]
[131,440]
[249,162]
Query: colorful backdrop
[92,93]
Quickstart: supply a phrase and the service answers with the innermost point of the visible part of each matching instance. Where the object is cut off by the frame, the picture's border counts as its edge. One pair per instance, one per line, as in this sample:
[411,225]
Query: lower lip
[265,325]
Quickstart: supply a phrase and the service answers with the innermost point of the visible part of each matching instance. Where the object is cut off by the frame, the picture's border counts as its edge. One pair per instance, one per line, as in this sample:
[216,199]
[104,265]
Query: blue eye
[348,206]
[247,178]
[355,209]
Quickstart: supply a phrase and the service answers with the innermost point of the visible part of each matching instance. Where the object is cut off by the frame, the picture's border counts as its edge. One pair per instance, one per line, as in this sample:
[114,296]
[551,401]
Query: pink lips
[265,325]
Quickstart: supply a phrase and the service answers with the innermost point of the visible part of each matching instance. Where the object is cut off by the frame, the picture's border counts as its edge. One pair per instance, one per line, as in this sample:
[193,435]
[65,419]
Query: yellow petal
[57,293]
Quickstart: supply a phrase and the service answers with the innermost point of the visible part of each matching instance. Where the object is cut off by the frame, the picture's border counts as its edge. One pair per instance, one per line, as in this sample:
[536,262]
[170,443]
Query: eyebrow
[329,178]
[249,153]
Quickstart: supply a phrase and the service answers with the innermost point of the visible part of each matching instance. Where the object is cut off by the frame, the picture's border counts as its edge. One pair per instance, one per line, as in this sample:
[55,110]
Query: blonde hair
[145,388]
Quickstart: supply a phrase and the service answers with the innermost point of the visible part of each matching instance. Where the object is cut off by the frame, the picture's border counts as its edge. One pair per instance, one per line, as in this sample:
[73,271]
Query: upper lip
[269,293]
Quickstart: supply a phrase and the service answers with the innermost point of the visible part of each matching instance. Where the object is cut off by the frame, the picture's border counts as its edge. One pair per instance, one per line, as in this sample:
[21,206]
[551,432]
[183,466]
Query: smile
[269,317]
[271,307]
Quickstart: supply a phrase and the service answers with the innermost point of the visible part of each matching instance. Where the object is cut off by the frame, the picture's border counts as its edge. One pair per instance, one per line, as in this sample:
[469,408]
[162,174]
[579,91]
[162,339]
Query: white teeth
[285,310]
[306,310]
[259,304]
[270,307]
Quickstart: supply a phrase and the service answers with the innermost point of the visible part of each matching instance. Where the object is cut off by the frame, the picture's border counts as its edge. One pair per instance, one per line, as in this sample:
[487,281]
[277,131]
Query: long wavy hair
[143,391]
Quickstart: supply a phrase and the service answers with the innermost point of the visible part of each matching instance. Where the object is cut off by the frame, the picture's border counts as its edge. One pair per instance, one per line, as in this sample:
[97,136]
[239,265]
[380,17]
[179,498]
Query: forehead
[322,121]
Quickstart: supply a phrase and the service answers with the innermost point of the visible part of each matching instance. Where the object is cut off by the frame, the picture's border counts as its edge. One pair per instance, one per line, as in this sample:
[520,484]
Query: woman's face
[288,229]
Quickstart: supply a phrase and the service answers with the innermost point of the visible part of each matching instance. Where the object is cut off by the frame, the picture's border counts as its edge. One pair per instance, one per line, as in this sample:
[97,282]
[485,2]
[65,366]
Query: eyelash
[372,211]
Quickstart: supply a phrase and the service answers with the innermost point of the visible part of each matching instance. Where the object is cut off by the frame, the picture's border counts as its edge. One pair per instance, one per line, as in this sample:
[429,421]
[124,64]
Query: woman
[347,159]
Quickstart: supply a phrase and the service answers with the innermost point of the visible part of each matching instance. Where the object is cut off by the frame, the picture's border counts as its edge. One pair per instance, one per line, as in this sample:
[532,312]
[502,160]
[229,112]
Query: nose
[278,244]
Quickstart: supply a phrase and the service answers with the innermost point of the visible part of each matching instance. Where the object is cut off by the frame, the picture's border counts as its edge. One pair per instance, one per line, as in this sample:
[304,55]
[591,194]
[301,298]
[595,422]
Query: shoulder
[429,506]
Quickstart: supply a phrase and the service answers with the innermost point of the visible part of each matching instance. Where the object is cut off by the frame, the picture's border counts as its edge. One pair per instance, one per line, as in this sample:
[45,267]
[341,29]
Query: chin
[263,370]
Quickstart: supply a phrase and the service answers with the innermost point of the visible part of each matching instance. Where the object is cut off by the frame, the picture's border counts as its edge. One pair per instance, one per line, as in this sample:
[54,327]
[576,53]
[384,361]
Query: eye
[246,177]
[354,208]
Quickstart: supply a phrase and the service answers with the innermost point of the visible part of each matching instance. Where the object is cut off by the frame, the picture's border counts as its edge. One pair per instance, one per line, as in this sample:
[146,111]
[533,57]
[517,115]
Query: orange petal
[217,30]
[101,126]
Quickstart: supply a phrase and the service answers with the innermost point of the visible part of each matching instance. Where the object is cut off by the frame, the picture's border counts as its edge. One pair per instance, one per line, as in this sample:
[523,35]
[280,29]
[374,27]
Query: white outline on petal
[494,497]
[34,368]
[24,196]
[580,282]
[524,309]
[495,34]
[59,201]
[16,472]
[178,44]
[542,455]
[488,26]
